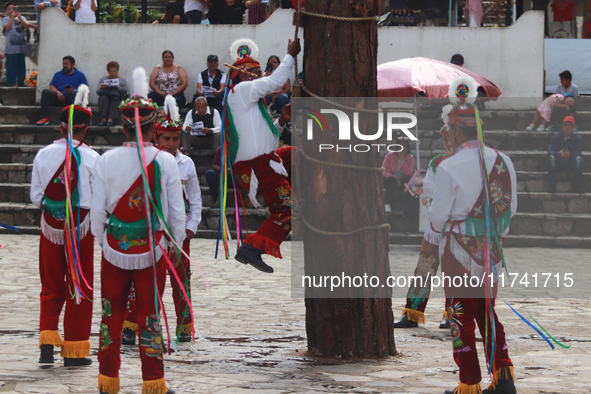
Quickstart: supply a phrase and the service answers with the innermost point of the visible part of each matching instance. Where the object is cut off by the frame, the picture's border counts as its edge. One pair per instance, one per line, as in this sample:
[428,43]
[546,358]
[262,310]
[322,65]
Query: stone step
[17,96]
[512,241]
[538,182]
[26,214]
[15,173]
[537,161]
[523,223]
[30,114]
[554,224]
[21,173]
[45,135]
[534,202]
[208,234]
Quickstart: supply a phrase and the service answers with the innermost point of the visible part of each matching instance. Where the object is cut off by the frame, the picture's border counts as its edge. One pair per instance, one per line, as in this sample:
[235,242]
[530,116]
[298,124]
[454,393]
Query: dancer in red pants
[253,142]
[168,137]
[59,279]
[460,209]
[125,223]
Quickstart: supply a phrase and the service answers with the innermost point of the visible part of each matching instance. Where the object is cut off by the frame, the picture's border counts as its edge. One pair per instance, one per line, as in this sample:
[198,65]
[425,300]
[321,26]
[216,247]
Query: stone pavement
[250,336]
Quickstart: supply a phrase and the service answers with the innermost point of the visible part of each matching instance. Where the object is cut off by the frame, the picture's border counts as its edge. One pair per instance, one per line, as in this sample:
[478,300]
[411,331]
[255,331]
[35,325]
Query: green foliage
[116,13]
[153,15]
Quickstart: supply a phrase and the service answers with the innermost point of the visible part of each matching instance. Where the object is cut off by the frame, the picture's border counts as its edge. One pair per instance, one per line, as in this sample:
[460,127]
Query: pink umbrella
[406,77]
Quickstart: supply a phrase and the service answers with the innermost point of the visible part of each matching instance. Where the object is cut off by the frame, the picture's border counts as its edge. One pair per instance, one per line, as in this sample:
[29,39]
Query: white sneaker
[530,127]
[541,128]
[388,208]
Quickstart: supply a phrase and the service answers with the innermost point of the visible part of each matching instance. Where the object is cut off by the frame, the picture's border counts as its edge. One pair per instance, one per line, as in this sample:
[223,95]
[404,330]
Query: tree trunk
[340,60]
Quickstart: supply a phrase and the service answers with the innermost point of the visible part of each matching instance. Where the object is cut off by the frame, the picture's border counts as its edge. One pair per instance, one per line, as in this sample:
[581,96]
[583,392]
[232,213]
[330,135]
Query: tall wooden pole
[340,60]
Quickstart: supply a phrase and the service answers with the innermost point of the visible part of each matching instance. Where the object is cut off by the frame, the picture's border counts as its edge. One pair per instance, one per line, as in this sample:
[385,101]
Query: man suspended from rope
[60,186]
[473,218]
[137,198]
[428,264]
[167,136]
[252,146]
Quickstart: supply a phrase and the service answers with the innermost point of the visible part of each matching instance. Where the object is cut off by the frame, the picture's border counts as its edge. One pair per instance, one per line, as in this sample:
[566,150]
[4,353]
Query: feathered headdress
[245,52]
[81,115]
[172,122]
[462,94]
[147,108]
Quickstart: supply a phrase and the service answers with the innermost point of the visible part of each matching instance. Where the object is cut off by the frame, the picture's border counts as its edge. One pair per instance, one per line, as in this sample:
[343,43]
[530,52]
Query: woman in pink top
[168,78]
[398,169]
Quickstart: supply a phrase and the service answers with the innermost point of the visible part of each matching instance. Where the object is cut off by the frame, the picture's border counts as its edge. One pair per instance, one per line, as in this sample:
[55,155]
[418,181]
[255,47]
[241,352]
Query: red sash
[127,231]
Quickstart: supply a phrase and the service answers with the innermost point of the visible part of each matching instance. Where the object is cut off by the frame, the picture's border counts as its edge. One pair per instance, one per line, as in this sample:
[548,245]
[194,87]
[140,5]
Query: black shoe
[403,322]
[450,391]
[102,123]
[23,85]
[128,337]
[504,383]
[503,386]
[46,354]
[77,362]
[109,124]
[170,392]
[184,337]
[552,188]
[444,324]
[248,255]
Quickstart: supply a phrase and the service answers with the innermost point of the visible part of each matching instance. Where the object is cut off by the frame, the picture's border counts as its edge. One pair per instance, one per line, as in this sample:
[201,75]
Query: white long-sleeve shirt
[217,121]
[114,173]
[458,185]
[191,189]
[49,159]
[256,138]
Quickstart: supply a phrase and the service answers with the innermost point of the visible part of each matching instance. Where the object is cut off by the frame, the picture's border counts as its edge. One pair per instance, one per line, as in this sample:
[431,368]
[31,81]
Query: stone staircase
[20,139]
[544,219]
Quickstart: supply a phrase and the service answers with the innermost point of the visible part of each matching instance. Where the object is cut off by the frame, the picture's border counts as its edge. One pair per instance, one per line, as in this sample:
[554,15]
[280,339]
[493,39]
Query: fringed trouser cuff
[75,349]
[416,316]
[108,385]
[49,337]
[157,386]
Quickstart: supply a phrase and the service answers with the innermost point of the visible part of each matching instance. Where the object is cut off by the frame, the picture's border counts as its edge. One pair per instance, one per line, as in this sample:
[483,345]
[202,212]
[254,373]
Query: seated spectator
[457,59]
[283,124]
[280,97]
[111,90]
[168,14]
[211,84]
[194,10]
[398,169]
[178,13]
[545,110]
[566,87]
[565,155]
[202,127]
[42,4]
[234,11]
[85,11]
[62,89]
[14,26]
[168,78]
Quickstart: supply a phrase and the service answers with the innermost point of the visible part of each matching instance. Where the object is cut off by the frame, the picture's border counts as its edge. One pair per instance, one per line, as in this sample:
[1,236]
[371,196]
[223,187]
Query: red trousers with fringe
[276,190]
[57,289]
[115,286]
[463,313]
[183,313]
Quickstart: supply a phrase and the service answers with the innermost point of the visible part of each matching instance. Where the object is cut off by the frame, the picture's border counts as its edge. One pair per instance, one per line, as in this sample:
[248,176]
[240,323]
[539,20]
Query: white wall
[513,58]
